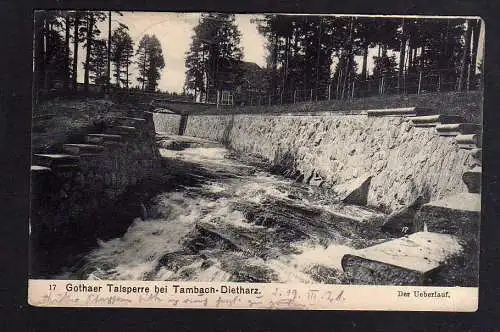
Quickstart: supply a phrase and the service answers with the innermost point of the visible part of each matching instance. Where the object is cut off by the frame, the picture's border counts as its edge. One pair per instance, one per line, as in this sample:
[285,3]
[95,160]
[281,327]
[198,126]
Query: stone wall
[167,123]
[405,161]
[97,197]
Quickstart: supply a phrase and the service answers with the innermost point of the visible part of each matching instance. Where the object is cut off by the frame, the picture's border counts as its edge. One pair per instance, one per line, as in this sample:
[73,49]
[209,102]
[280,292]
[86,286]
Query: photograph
[257,148]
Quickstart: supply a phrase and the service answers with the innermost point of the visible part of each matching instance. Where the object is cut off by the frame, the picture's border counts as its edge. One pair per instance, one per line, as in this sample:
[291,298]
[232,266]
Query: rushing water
[241,224]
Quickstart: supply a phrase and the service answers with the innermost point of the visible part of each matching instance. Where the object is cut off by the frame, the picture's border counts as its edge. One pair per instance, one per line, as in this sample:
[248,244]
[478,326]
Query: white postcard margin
[230,295]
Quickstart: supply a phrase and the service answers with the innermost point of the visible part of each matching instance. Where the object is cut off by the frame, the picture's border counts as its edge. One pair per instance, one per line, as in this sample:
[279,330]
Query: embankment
[405,161]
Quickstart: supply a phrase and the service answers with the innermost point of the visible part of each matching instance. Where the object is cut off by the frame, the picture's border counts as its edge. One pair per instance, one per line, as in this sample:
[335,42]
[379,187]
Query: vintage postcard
[256,161]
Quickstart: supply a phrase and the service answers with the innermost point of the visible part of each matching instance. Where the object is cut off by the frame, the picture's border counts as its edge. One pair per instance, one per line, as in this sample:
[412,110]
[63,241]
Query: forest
[317,54]
[307,57]
[107,60]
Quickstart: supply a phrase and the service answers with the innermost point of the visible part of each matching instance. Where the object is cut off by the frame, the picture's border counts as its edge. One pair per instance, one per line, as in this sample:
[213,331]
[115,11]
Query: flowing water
[237,223]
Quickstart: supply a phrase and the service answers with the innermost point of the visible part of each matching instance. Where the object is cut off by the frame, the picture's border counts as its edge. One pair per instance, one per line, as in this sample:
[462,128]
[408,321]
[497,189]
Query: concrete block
[472,180]
[354,191]
[434,120]
[411,260]
[405,111]
[458,129]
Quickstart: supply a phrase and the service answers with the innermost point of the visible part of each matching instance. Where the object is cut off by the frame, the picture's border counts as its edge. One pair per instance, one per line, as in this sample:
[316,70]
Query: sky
[174,31]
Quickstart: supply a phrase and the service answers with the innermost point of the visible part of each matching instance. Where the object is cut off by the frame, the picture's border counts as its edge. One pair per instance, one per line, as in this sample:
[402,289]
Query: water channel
[233,221]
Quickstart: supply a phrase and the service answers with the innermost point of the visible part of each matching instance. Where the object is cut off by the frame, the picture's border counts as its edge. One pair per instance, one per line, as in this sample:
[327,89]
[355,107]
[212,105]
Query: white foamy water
[140,253]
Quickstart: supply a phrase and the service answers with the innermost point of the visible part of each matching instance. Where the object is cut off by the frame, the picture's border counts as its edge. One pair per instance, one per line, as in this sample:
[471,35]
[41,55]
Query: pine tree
[90,30]
[98,62]
[214,56]
[122,48]
[150,61]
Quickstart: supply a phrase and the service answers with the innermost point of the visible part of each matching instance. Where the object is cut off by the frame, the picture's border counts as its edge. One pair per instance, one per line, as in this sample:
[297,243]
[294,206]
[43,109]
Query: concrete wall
[405,161]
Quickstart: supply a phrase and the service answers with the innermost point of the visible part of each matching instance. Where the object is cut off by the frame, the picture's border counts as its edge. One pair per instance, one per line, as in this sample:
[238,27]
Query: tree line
[312,52]
[59,36]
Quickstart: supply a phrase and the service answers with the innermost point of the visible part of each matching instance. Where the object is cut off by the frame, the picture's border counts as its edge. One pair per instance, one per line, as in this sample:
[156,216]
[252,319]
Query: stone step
[129,121]
[470,141]
[123,130]
[459,215]
[79,149]
[51,160]
[411,260]
[102,138]
[458,129]
[37,169]
[66,168]
[434,120]
[404,111]
[472,180]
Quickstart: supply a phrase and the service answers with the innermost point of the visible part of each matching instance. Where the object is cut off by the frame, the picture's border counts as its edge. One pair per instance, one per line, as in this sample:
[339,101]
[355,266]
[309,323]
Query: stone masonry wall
[71,197]
[167,123]
[405,161]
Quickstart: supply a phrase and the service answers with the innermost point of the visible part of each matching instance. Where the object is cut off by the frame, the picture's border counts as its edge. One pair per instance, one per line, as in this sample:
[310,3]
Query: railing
[414,83]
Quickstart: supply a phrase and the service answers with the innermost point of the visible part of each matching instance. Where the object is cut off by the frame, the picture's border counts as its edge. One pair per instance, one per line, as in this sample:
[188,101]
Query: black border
[15,122]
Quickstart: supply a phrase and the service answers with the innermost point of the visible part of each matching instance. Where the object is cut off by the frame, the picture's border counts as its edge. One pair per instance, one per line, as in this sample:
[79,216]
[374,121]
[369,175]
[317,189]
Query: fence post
[281,97]
[439,83]
[311,95]
[294,95]
[329,91]
[352,91]
[419,82]
[218,95]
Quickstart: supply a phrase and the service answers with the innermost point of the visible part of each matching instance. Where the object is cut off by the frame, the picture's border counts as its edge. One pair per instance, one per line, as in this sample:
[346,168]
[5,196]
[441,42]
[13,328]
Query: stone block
[472,180]
[470,141]
[404,111]
[456,129]
[77,149]
[103,138]
[354,191]
[459,215]
[123,131]
[51,160]
[434,120]
[129,121]
[402,221]
[411,260]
